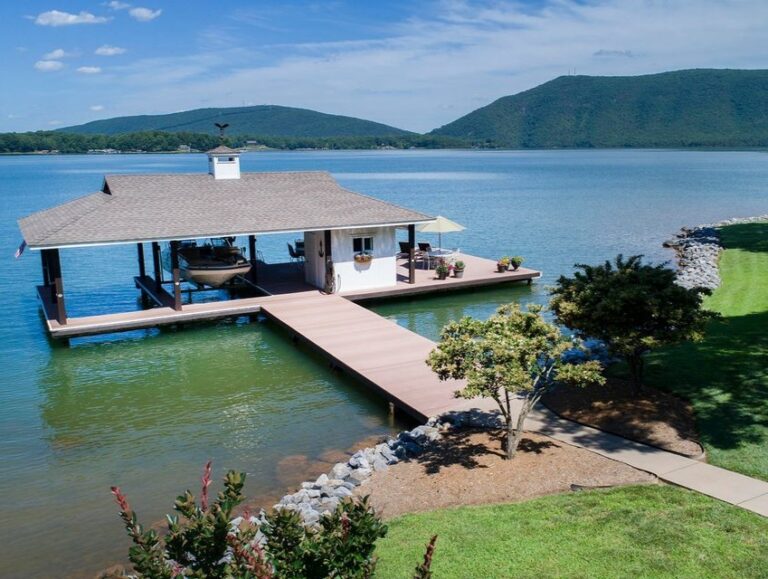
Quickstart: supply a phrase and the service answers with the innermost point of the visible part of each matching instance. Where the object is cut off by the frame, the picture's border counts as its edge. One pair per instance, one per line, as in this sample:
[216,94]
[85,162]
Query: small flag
[21,249]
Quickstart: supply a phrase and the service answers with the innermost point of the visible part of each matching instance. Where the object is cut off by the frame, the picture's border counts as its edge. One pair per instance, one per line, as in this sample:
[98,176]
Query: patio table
[438,253]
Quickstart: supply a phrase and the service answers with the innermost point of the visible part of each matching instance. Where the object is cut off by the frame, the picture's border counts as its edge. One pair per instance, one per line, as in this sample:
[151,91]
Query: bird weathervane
[221,127]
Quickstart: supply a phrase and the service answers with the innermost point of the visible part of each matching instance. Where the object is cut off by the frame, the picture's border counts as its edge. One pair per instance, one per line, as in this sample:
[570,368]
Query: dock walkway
[383,355]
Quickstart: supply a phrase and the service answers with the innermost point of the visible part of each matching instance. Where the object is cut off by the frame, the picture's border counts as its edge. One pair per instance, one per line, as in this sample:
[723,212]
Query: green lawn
[645,531]
[726,376]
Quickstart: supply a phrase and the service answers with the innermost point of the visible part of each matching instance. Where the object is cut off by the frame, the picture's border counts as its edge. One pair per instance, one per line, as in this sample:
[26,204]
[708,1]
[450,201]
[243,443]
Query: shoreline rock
[698,252]
[315,498]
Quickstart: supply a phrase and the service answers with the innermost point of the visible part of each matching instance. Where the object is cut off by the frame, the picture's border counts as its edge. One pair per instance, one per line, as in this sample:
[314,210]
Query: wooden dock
[381,354]
[276,280]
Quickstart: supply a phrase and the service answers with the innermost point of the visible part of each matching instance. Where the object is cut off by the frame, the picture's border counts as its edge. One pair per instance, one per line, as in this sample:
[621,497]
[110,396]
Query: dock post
[156,264]
[176,276]
[61,310]
[54,273]
[252,256]
[140,256]
[411,253]
[329,286]
[45,262]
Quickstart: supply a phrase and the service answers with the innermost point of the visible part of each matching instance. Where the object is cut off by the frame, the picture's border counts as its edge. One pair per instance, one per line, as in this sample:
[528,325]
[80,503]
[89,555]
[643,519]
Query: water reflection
[427,315]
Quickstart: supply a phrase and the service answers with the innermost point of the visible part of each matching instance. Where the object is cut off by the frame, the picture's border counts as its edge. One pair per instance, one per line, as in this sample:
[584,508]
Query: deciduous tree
[514,354]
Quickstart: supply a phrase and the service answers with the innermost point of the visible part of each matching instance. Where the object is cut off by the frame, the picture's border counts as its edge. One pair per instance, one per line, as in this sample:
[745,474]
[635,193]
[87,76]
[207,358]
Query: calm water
[145,410]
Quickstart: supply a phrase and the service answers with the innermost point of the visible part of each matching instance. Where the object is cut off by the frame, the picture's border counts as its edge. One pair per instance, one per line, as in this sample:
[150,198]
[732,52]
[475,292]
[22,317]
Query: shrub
[204,542]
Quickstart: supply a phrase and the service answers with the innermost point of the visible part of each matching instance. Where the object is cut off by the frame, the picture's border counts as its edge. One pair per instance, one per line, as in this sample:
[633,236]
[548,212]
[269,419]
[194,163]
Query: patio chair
[295,257]
[405,249]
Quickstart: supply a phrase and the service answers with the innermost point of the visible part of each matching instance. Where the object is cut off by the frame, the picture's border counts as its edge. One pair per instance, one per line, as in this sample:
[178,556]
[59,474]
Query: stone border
[323,495]
[698,252]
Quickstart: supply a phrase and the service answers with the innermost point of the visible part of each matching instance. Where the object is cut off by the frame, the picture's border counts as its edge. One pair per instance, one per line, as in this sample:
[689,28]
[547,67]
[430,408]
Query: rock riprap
[698,252]
[315,498]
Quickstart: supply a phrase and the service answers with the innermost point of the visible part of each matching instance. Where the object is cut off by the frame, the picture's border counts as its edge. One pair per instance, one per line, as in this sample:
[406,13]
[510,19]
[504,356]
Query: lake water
[145,410]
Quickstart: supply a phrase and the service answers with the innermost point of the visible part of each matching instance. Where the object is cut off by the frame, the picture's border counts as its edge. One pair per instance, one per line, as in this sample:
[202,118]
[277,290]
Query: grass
[725,377]
[645,531]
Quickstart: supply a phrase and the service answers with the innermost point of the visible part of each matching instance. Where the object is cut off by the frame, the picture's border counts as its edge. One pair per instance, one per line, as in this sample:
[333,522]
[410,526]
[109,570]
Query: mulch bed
[653,417]
[468,467]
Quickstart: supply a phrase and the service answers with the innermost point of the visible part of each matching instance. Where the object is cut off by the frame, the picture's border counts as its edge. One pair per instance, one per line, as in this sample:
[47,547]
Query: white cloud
[58,18]
[48,65]
[423,72]
[54,123]
[97,108]
[603,52]
[57,54]
[89,70]
[144,14]
[115,5]
[107,50]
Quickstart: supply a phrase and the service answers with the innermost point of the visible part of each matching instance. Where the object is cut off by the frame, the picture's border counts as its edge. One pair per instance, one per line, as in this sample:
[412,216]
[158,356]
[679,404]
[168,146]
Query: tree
[631,306]
[513,354]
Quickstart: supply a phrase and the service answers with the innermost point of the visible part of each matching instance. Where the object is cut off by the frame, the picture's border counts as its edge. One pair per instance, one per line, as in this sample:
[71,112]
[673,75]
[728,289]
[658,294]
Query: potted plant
[503,264]
[458,269]
[442,269]
[516,262]
[363,257]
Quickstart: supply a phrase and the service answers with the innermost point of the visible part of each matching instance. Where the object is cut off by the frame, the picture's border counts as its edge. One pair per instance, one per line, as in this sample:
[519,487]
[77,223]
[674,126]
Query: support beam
[411,253]
[61,308]
[45,262]
[330,281]
[140,256]
[52,279]
[328,254]
[156,264]
[176,275]
[252,256]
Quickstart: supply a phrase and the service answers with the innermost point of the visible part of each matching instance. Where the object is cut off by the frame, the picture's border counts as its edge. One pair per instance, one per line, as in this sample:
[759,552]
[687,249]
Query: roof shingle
[139,208]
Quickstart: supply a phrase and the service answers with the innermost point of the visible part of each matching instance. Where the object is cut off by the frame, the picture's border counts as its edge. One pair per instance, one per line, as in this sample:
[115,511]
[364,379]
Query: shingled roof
[140,208]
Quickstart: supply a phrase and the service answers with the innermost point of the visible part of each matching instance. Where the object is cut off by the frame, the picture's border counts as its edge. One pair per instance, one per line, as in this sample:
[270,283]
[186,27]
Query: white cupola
[224,163]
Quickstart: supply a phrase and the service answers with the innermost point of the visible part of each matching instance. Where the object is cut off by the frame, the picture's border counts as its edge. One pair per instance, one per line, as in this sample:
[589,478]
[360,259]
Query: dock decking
[381,354]
[274,280]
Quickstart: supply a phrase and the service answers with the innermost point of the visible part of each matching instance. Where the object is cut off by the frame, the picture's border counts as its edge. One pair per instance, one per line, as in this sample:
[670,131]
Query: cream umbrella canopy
[440,225]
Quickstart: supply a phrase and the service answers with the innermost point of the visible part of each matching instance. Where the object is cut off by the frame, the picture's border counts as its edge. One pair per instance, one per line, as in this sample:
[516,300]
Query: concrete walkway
[736,489]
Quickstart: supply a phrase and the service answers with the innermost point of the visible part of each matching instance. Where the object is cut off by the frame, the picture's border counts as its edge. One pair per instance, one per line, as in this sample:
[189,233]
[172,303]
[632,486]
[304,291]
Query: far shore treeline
[162,141]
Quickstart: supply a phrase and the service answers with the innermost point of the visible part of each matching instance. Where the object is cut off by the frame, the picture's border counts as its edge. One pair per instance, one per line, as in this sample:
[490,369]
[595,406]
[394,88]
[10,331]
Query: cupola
[224,163]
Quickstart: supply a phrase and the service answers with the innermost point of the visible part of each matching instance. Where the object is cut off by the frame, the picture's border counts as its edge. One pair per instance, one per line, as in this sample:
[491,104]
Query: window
[362,244]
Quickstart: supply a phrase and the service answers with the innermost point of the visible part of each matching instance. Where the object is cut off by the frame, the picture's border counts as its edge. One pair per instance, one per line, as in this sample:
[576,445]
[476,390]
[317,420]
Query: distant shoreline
[389,149]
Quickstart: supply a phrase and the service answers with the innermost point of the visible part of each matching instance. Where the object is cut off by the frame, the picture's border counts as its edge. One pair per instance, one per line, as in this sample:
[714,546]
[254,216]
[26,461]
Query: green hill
[687,108]
[262,120]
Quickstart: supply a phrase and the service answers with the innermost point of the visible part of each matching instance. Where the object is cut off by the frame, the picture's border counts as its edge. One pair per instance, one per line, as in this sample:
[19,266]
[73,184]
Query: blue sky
[412,64]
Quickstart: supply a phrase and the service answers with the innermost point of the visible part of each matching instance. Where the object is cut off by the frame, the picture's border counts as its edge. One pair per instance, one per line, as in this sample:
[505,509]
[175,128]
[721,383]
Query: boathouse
[160,211]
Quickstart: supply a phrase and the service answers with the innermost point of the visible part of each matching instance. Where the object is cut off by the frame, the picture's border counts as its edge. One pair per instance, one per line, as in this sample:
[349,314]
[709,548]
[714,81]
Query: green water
[145,410]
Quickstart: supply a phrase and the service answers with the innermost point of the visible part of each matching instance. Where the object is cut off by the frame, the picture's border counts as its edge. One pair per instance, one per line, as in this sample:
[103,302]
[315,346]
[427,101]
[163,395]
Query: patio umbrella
[440,225]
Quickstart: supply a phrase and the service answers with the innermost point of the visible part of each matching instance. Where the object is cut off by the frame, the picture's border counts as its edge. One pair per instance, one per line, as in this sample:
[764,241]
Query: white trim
[231,234]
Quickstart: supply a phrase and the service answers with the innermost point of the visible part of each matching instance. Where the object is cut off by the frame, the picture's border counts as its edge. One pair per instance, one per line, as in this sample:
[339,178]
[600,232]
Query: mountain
[705,108]
[262,120]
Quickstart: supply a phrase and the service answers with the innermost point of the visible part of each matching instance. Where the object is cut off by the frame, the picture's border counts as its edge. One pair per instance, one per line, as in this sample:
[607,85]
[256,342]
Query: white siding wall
[222,168]
[314,266]
[380,272]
